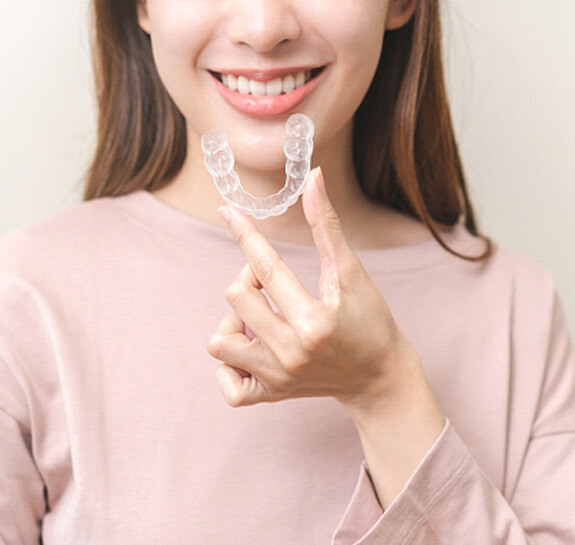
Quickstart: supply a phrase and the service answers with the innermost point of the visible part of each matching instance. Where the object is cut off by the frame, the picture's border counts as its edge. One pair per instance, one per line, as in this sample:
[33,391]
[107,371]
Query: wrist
[397,422]
[402,398]
[401,376]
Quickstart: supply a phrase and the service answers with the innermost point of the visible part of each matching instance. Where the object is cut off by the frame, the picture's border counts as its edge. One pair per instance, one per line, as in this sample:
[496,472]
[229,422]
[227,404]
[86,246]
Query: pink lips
[266,105]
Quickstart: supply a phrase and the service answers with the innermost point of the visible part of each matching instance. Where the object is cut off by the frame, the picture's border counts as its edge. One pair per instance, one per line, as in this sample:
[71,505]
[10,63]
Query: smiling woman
[369,329]
[394,178]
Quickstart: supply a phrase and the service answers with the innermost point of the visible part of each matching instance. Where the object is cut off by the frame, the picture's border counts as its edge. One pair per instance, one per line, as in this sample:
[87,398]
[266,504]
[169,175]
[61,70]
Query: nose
[262,24]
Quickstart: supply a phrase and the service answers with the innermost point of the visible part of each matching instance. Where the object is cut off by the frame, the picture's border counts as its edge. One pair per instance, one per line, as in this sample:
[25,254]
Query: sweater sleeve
[22,504]
[22,490]
[449,500]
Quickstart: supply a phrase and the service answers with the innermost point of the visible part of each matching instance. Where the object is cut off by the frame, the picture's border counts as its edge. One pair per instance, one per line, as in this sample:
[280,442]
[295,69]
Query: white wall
[511,68]
[46,116]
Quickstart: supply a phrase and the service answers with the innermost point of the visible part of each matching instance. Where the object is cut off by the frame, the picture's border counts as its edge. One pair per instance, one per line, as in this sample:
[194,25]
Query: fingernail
[225,213]
[318,173]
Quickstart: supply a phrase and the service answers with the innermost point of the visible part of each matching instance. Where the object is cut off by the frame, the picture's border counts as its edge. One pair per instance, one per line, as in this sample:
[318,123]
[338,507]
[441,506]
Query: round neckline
[147,210]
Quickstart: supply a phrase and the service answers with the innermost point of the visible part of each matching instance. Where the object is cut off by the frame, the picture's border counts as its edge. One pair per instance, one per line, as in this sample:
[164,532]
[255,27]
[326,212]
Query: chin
[263,159]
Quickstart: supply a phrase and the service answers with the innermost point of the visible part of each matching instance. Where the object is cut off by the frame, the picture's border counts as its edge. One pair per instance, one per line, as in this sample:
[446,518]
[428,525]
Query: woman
[461,403]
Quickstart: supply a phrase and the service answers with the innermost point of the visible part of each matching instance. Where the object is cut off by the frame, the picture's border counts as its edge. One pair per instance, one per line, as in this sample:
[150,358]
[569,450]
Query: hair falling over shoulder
[405,152]
[141,133]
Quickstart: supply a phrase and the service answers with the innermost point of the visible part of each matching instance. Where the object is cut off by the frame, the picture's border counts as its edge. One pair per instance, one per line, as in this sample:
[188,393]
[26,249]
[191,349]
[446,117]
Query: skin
[345,343]
[191,36]
[326,346]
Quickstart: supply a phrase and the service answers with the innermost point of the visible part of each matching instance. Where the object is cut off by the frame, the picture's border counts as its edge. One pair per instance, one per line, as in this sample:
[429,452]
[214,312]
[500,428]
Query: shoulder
[525,293]
[504,269]
[505,283]
[63,241]
[523,274]
[61,226]
[506,279]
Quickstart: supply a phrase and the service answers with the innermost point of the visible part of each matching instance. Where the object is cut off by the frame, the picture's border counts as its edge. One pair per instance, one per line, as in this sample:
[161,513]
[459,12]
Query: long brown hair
[404,146]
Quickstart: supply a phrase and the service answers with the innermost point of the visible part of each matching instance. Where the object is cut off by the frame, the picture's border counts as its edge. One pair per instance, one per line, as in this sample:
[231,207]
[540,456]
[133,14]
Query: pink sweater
[112,430]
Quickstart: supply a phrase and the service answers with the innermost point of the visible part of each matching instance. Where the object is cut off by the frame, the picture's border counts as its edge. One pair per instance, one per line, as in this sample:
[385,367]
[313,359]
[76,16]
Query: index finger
[271,271]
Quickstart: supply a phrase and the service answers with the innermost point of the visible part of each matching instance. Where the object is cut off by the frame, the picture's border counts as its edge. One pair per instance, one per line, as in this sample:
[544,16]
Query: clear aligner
[298,147]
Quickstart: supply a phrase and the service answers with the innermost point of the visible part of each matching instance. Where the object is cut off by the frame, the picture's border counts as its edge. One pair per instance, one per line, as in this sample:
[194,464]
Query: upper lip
[266,74]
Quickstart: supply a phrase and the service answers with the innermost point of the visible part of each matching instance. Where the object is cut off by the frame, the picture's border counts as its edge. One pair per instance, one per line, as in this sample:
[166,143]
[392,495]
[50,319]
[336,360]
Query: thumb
[326,228]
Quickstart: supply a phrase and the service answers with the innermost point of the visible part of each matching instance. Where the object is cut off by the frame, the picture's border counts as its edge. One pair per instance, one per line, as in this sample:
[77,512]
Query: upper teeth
[259,88]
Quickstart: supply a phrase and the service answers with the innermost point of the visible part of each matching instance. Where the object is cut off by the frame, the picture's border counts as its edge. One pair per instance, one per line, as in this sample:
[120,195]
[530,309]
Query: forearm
[397,428]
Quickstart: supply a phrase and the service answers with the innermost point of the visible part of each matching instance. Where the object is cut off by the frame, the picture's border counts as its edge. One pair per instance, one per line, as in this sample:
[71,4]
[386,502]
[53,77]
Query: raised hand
[343,344]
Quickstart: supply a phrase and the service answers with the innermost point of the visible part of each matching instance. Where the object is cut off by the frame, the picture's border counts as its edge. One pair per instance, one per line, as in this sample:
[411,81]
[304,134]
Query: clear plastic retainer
[298,147]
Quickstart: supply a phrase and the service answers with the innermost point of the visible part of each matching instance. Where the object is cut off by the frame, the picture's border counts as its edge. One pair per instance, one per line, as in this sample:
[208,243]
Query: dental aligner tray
[298,148]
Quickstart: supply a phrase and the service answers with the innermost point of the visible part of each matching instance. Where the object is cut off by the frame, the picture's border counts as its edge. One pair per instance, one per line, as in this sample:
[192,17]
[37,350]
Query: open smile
[266,93]
[265,84]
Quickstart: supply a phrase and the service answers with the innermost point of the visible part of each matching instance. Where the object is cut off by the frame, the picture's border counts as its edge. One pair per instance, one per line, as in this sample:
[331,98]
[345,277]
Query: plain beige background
[511,73]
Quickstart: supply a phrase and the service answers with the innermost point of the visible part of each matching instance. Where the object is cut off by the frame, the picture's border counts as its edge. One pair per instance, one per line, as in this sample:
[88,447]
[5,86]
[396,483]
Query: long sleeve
[112,426]
[449,500]
[23,346]
[22,504]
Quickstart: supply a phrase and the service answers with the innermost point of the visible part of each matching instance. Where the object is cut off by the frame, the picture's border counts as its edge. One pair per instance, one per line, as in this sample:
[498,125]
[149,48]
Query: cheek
[179,28]
[357,39]
[361,36]
[355,30]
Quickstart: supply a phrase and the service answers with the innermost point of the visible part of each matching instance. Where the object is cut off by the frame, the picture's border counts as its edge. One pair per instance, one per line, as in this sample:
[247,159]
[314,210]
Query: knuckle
[328,218]
[316,334]
[331,222]
[264,269]
[234,399]
[235,293]
[331,219]
[296,366]
[215,347]
[292,363]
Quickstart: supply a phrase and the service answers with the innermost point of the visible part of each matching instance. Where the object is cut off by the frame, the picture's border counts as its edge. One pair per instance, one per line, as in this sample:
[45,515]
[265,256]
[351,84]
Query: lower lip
[267,105]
